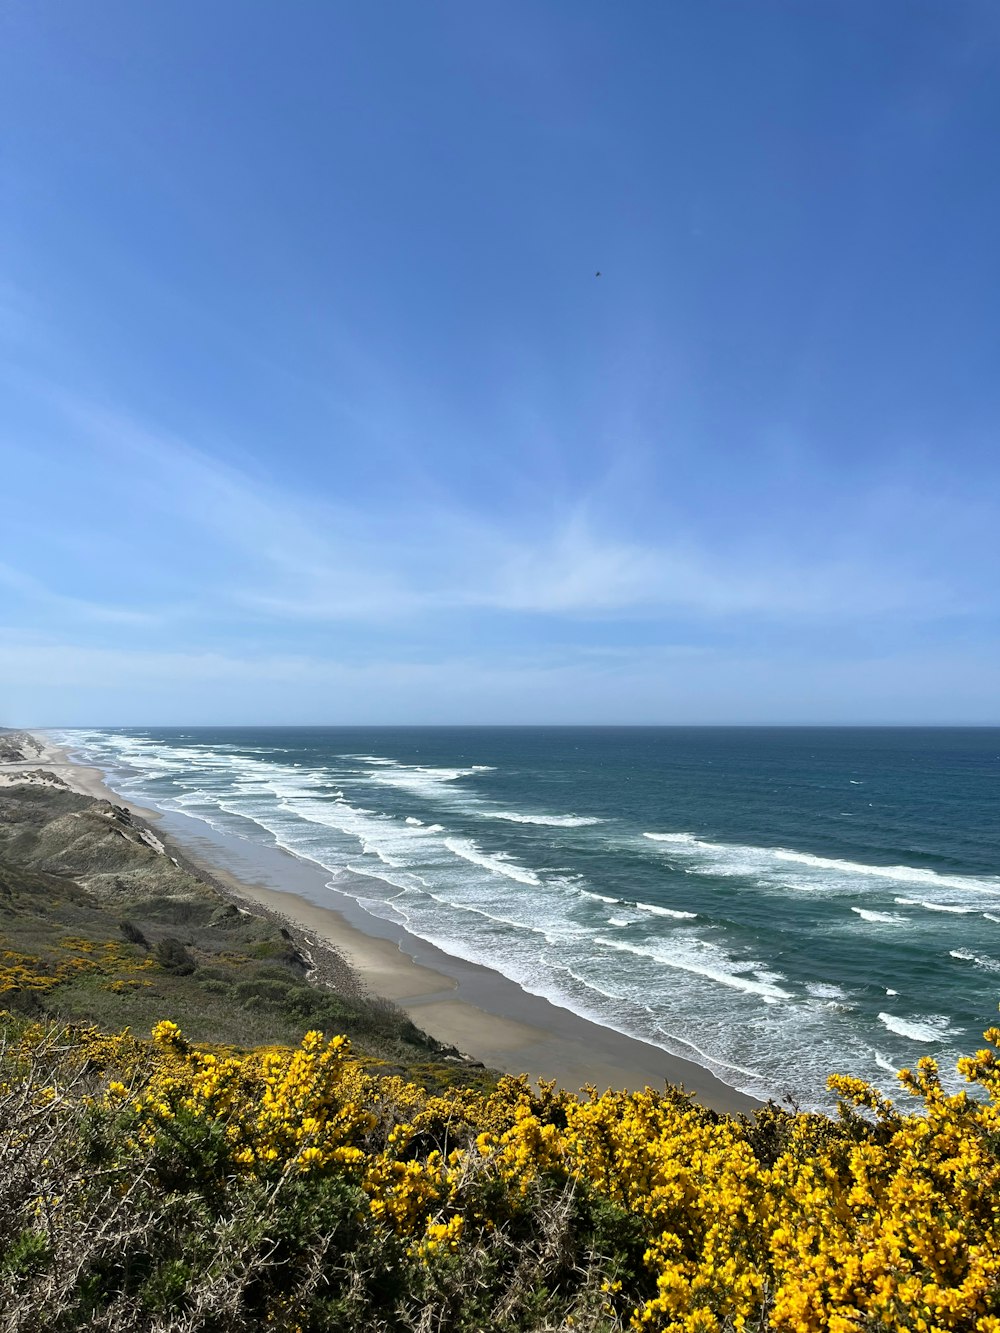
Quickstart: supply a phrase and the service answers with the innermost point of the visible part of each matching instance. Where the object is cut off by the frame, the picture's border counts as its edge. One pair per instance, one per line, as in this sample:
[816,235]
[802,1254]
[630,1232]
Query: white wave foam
[773,863]
[708,962]
[890,991]
[866,915]
[903,874]
[666,911]
[414,823]
[991,917]
[468,851]
[823,990]
[372,849]
[421,780]
[550,821]
[933,1028]
[980,960]
[935,907]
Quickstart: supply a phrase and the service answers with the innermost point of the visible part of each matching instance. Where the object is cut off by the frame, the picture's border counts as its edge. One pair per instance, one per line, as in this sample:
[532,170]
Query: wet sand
[484,1014]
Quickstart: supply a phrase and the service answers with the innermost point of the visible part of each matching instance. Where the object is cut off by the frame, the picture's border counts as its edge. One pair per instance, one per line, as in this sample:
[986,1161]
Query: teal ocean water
[773,903]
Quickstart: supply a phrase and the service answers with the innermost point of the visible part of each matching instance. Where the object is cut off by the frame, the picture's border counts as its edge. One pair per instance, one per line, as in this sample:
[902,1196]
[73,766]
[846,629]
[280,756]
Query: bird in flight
[597,274]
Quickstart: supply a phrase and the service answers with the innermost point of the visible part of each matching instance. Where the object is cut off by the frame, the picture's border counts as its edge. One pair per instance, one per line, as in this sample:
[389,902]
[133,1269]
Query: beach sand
[51,760]
[473,1008]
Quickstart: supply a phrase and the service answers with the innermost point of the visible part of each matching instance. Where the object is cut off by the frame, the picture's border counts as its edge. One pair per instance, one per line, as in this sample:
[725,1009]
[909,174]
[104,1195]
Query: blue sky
[313,410]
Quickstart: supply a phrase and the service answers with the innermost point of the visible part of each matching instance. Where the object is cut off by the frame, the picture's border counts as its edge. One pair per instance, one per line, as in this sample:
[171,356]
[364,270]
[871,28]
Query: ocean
[773,903]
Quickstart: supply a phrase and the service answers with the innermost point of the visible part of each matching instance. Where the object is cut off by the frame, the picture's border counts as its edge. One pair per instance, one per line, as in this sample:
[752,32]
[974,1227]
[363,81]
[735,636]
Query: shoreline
[53,760]
[466,1005]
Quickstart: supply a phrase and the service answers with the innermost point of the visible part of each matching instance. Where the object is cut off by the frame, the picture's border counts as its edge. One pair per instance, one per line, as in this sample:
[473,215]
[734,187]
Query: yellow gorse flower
[878,1220]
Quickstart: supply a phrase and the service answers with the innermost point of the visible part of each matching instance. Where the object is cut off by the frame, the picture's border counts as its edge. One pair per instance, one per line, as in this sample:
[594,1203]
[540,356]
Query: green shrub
[133,934]
[171,954]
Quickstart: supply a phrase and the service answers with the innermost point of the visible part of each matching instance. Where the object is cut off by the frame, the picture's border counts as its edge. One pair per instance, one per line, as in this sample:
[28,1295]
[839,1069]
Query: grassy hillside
[99,924]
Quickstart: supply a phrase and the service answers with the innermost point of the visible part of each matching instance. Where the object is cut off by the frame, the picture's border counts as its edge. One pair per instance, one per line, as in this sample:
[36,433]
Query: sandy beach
[479,1011]
[51,760]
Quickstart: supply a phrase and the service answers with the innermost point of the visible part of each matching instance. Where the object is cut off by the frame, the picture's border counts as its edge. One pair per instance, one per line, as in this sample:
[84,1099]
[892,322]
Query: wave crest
[550,821]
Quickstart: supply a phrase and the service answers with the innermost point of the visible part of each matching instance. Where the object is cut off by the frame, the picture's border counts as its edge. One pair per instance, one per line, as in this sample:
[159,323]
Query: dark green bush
[133,934]
[171,954]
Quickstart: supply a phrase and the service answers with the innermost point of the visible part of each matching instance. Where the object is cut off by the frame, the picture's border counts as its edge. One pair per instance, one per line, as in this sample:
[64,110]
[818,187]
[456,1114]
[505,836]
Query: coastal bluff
[104,923]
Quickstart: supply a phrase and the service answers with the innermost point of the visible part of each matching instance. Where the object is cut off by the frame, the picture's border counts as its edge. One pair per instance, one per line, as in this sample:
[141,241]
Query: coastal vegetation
[206,1126]
[100,924]
[164,1185]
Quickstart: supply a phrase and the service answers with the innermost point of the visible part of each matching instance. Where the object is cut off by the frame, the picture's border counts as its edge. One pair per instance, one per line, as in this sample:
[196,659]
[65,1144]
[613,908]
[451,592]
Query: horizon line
[511,726]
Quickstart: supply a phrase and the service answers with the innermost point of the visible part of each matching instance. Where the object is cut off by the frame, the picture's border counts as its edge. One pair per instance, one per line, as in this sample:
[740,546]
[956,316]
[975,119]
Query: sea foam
[980,960]
[744,860]
[935,1028]
[550,821]
[936,907]
[497,865]
[676,913]
[707,962]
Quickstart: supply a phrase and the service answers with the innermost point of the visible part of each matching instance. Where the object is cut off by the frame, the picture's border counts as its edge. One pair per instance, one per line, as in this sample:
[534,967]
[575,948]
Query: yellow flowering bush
[300,1107]
[21,971]
[603,1211]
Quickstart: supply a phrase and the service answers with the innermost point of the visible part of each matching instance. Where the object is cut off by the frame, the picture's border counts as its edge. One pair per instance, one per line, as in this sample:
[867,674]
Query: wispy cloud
[34,591]
[576,570]
[328,560]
